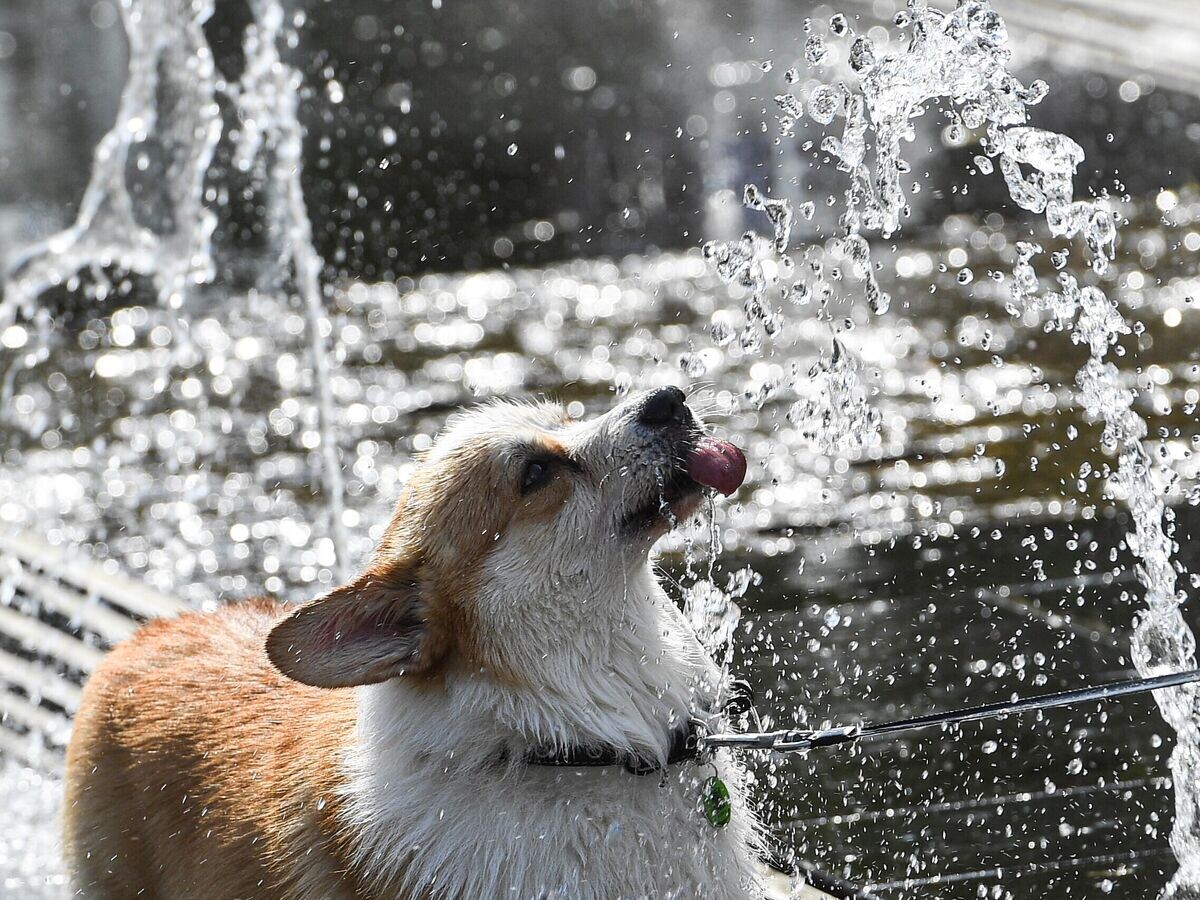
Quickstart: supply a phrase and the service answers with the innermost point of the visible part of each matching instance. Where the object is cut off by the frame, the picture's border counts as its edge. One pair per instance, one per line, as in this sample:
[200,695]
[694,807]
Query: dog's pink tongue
[717,464]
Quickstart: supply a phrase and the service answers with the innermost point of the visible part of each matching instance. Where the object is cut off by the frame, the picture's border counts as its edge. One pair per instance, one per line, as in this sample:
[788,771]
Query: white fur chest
[550,832]
[438,811]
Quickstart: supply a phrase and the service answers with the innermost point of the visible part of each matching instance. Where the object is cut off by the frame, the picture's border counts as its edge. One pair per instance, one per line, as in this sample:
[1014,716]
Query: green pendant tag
[717,808]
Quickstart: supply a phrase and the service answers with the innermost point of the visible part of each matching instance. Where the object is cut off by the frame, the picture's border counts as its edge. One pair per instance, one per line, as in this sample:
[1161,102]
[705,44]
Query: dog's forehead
[496,422]
[490,431]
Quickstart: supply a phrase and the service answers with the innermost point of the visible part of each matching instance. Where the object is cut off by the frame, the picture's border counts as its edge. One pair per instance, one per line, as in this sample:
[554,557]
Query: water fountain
[150,209]
[958,62]
[581,327]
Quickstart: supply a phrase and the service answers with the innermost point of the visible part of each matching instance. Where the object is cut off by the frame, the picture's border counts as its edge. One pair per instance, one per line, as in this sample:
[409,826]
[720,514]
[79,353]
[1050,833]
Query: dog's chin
[668,508]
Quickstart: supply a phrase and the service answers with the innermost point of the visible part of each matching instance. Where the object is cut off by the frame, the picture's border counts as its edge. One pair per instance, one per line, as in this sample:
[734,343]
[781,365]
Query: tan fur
[451,514]
[197,770]
[187,732]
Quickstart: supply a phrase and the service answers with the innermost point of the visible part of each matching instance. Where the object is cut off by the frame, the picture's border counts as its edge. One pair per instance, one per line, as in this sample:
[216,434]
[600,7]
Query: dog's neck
[621,670]
[600,660]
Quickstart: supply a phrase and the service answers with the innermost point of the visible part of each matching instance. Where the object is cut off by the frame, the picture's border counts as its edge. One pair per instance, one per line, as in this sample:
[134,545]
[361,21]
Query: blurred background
[508,198]
[438,136]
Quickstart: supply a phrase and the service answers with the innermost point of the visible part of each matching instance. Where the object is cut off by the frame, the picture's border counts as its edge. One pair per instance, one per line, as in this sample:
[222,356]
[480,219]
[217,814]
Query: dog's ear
[370,630]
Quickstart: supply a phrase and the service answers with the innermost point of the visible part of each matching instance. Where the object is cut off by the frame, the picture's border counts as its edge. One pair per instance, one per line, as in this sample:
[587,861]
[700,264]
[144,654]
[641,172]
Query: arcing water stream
[958,62]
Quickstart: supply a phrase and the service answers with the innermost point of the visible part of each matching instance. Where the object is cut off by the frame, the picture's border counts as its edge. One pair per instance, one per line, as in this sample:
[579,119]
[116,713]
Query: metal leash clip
[823,737]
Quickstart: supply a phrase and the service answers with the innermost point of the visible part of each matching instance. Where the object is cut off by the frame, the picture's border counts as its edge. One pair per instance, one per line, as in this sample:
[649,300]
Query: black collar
[683,748]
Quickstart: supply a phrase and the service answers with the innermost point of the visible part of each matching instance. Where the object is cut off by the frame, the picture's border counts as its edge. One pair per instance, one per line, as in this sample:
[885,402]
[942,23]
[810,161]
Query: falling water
[169,241]
[959,62]
[148,210]
[267,97]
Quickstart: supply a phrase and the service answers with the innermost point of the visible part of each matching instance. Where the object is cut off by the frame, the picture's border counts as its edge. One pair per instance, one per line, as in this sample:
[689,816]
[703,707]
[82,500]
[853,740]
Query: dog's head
[514,501]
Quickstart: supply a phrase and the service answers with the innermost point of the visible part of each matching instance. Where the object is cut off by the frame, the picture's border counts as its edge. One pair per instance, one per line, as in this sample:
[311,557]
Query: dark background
[470,134]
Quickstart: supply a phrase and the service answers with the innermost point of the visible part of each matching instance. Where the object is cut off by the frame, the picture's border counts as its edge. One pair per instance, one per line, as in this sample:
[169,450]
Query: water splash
[146,210]
[778,212]
[125,223]
[267,97]
[834,413]
[713,611]
[959,61]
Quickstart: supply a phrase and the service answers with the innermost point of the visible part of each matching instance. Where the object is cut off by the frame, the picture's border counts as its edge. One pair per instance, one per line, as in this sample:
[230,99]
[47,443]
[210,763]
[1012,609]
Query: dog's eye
[536,474]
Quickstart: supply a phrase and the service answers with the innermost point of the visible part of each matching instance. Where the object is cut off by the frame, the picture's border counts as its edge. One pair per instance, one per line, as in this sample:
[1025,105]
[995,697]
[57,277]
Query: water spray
[959,62]
[169,56]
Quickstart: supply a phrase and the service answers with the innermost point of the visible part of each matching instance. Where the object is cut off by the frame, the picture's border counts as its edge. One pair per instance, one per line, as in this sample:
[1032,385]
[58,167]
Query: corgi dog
[503,705]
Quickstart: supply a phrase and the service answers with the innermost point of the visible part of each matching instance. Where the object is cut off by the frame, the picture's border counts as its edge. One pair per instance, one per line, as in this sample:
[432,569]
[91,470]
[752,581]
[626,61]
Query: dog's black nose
[663,407]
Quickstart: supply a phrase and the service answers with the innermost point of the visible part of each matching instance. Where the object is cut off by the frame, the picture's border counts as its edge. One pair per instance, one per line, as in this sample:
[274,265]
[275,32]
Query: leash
[789,741]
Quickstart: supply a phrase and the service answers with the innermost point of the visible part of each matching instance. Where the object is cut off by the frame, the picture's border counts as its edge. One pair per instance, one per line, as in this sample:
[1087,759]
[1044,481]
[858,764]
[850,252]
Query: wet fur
[489,622]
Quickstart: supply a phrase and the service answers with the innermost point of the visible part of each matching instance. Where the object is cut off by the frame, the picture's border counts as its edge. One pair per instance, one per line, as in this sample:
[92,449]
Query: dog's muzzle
[697,460]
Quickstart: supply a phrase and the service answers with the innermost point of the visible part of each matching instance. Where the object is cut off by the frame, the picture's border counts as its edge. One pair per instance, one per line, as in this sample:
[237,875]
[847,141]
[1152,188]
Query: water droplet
[815,50]
[824,103]
[799,293]
[692,365]
[862,54]
[722,333]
